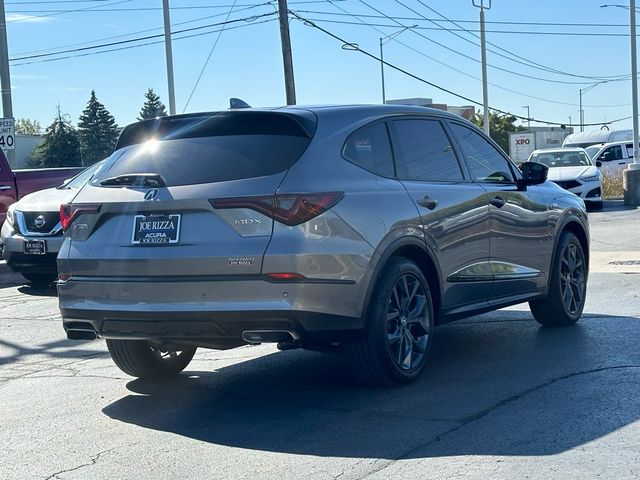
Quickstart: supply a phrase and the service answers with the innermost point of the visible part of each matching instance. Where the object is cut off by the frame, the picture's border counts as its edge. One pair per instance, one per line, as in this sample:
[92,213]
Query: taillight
[290,209]
[70,211]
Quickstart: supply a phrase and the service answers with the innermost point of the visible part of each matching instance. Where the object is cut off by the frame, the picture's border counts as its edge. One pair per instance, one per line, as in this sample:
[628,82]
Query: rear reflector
[290,209]
[286,276]
[70,211]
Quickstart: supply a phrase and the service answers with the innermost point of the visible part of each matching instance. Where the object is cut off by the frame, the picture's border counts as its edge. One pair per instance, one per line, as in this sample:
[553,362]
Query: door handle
[428,202]
[5,187]
[498,202]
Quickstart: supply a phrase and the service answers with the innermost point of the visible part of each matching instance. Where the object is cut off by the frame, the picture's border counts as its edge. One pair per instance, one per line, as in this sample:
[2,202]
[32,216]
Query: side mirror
[533,173]
[598,163]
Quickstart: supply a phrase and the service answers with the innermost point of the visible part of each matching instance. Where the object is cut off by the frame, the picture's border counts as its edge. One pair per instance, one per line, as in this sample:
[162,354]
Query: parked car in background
[348,227]
[611,158]
[16,184]
[573,170]
[31,235]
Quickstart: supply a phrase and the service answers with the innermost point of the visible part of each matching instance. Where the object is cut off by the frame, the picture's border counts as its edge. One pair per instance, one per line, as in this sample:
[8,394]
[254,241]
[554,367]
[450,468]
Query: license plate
[156,229]
[35,247]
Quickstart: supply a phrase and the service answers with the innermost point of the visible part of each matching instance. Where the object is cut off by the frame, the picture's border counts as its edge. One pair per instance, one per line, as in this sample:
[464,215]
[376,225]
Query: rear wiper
[136,180]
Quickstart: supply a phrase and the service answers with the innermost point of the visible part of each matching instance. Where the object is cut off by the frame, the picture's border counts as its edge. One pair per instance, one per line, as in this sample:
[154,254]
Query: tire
[567,288]
[40,278]
[143,359]
[399,328]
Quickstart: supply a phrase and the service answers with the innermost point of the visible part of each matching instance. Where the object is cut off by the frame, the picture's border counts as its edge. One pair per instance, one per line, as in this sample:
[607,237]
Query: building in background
[466,111]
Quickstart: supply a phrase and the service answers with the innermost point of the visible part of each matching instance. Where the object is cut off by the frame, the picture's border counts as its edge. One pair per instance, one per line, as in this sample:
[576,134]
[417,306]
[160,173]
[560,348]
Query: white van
[611,158]
[585,139]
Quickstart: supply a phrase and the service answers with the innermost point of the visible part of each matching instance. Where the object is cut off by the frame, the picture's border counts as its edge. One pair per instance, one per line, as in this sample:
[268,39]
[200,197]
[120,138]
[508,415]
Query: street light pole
[581,113]
[384,98]
[382,41]
[528,117]
[169,56]
[483,48]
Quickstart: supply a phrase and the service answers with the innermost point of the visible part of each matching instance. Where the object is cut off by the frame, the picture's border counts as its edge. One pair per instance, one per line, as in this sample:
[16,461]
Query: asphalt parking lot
[502,397]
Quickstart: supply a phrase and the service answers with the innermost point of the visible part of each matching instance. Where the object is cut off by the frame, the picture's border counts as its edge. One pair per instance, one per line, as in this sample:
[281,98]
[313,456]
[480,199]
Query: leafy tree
[97,131]
[500,125]
[60,147]
[26,126]
[152,107]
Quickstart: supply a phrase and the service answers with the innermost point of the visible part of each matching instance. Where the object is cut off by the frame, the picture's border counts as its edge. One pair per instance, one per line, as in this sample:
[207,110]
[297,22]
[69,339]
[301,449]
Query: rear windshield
[215,150]
[562,159]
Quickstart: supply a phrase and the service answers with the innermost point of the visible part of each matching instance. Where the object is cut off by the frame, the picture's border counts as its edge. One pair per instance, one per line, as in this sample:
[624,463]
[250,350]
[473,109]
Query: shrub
[612,186]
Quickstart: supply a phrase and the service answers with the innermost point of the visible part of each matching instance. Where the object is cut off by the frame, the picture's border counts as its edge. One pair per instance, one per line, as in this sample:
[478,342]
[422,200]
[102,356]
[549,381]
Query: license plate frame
[157,229]
[35,247]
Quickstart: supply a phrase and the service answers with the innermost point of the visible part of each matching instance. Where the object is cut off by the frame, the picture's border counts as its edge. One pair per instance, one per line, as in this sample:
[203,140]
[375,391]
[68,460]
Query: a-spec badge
[151,194]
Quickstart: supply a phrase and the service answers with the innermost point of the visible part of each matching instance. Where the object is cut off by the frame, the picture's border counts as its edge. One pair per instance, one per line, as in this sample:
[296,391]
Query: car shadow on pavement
[13,353]
[492,387]
[39,290]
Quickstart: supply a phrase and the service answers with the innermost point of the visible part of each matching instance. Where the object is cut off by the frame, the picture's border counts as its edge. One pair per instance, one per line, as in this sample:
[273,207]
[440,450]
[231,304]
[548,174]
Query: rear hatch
[151,210]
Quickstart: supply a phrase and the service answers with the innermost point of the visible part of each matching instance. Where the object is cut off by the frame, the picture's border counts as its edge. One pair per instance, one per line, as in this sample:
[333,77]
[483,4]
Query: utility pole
[382,41]
[631,175]
[581,111]
[169,55]
[285,39]
[483,47]
[528,117]
[5,78]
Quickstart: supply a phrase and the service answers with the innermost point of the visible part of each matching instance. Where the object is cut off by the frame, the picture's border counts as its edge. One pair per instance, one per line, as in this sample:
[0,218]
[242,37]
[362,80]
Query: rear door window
[425,152]
[369,148]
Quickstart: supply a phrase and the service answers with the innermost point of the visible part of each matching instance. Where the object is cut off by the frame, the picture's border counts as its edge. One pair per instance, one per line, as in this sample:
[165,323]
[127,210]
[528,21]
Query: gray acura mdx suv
[358,228]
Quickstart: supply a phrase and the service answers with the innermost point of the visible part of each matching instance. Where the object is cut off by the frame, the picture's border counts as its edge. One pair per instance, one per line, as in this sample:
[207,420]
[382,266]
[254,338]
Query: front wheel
[399,328]
[567,287]
[144,359]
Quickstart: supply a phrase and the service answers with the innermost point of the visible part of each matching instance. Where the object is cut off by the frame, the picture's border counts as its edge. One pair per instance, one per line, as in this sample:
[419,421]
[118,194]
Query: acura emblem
[151,194]
[39,221]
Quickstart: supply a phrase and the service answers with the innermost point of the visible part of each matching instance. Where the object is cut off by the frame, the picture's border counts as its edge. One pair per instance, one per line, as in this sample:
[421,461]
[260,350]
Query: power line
[155,42]
[357,48]
[90,42]
[510,55]
[473,59]
[489,22]
[61,12]
[215,43]
[148,37]
[450,67]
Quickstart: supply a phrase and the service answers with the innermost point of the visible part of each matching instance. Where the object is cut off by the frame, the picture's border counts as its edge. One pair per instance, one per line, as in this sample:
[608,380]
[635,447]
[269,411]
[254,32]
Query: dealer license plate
[35,247]
[156,229]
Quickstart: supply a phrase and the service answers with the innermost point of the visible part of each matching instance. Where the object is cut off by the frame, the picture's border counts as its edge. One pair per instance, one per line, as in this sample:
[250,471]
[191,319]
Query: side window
[369,148]
[425,151]
[485,163]
[611,153]
[629,147]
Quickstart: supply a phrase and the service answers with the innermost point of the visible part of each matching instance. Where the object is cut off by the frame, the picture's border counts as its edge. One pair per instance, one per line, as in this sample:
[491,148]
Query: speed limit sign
[7,134]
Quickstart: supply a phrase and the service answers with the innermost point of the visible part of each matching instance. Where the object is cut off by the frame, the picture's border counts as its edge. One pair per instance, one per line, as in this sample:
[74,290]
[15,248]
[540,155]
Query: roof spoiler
[237,103]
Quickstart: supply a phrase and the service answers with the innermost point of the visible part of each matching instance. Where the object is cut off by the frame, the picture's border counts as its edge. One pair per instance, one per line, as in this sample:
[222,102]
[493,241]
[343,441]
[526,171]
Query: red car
[16,184]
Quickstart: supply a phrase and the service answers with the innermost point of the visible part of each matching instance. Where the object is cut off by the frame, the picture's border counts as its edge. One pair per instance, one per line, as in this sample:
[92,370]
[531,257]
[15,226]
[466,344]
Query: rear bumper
[13,253]
[209,313]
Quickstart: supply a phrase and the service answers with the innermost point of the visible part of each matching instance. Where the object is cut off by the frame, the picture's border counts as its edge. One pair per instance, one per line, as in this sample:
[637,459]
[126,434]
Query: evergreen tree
[152,107]
[97,131]
[500,125]
[60,147]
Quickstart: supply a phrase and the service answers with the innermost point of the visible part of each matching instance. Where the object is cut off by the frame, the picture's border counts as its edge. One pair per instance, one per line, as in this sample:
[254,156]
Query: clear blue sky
[247,62]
